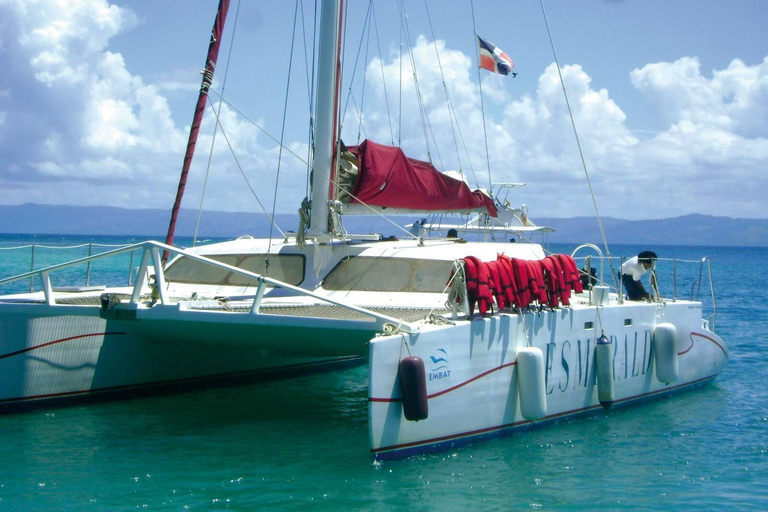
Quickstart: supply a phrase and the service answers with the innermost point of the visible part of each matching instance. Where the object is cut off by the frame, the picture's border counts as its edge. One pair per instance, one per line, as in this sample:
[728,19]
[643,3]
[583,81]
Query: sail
[389,179]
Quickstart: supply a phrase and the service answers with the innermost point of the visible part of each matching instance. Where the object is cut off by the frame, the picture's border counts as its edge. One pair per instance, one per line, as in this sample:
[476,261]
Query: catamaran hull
[62,353]
[473,380]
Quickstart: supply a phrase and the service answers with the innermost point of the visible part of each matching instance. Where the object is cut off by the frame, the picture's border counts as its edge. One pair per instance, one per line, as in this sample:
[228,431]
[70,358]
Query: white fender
[665,352]
[604,363]
[531,386]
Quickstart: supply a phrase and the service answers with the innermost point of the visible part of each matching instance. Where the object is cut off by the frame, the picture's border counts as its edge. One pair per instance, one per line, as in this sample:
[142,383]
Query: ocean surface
[302,443]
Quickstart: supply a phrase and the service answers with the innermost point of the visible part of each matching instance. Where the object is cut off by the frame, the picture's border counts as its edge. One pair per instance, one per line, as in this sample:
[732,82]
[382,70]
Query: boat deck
[281,308]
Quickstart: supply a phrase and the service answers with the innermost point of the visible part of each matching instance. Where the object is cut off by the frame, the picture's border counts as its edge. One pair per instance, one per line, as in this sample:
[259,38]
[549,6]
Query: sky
[669,100]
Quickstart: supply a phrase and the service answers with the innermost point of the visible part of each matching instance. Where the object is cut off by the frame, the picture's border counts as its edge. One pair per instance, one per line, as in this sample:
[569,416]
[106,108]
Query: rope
[457,289]
[521,317]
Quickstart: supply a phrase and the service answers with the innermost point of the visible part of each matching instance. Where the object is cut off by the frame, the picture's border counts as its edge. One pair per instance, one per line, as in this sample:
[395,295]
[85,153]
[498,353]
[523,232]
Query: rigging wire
[400,92]
[581,153]
[216,126]
[260,128]
[361,126]
[310,89]
[383,80]
[451,111]
[321,174]
[354,68]
[425,124]
[365,72]
[237,162]
[282,132]
[482,103]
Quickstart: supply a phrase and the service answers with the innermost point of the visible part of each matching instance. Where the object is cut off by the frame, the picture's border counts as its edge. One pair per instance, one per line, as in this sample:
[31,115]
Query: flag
[493,59]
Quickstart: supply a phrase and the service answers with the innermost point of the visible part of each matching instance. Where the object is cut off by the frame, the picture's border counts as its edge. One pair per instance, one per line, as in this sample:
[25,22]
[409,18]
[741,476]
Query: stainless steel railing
[151,260]
[674,270]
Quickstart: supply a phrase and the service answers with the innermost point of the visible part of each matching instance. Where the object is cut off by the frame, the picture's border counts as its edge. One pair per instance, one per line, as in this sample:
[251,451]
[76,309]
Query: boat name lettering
[570,364]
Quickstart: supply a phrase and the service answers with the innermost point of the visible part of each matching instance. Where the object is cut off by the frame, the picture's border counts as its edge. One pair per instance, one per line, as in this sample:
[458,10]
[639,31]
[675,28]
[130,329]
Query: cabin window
[288,268]
[589,325]
[367,274]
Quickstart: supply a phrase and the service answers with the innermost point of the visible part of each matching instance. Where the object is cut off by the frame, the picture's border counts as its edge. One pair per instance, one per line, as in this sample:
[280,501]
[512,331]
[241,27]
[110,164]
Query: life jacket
[563,289]
[551,282]
[536,282]
[522,287]
[507,275]
[478,285]
[500,283]
[570,272]
[493,281]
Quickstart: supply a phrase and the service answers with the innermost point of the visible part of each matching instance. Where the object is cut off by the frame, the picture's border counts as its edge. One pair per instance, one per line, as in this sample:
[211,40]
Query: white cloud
[712,130]
[79,125]
[101,134]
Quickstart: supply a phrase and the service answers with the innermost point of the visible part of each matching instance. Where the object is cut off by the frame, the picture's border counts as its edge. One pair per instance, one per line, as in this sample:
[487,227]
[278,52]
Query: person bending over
[631,272]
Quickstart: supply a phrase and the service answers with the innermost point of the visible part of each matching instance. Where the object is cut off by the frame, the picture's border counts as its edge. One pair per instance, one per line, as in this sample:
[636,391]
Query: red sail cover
[388,178]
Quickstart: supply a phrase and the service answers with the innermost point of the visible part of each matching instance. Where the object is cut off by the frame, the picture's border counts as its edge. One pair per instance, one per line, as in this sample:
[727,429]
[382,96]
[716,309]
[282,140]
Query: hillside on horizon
[692,229]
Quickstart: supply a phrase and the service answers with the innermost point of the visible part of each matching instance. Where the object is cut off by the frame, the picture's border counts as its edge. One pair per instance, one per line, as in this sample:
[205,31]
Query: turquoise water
[302,442]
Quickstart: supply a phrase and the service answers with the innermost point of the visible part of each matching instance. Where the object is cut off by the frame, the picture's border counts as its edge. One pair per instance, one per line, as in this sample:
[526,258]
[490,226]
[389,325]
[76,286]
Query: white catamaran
[544,344]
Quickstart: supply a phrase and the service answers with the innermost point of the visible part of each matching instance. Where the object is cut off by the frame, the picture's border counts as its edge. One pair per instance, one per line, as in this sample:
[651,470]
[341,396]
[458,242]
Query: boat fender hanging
[604,357]
[531,384]
[665,352]
[413,387]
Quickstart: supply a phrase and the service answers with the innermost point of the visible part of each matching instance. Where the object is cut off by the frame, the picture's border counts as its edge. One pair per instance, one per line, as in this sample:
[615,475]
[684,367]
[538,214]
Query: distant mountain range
[694,229]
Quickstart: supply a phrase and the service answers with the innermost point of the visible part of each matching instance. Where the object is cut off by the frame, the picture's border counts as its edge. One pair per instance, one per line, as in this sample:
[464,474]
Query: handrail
[87,259]
[595,248]
[695,292]
[713,316]
[90,245]
[152,256]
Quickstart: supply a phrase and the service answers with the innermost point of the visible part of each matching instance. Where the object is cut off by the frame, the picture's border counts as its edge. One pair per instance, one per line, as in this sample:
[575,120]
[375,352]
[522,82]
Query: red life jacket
[523,292]
[551,282]
[478,285]
[536,282]
[495,283]
[508,285]
[570,272]
[563,288]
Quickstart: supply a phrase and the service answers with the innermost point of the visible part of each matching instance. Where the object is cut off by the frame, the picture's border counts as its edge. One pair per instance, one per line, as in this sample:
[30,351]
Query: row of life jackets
[514,282]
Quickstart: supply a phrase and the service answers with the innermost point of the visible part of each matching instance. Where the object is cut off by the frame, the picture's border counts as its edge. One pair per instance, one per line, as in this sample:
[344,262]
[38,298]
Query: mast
[326,115]
[210,67]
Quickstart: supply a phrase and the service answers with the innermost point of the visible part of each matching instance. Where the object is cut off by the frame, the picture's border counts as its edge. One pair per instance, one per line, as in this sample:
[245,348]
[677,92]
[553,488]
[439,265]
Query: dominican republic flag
[493,59]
